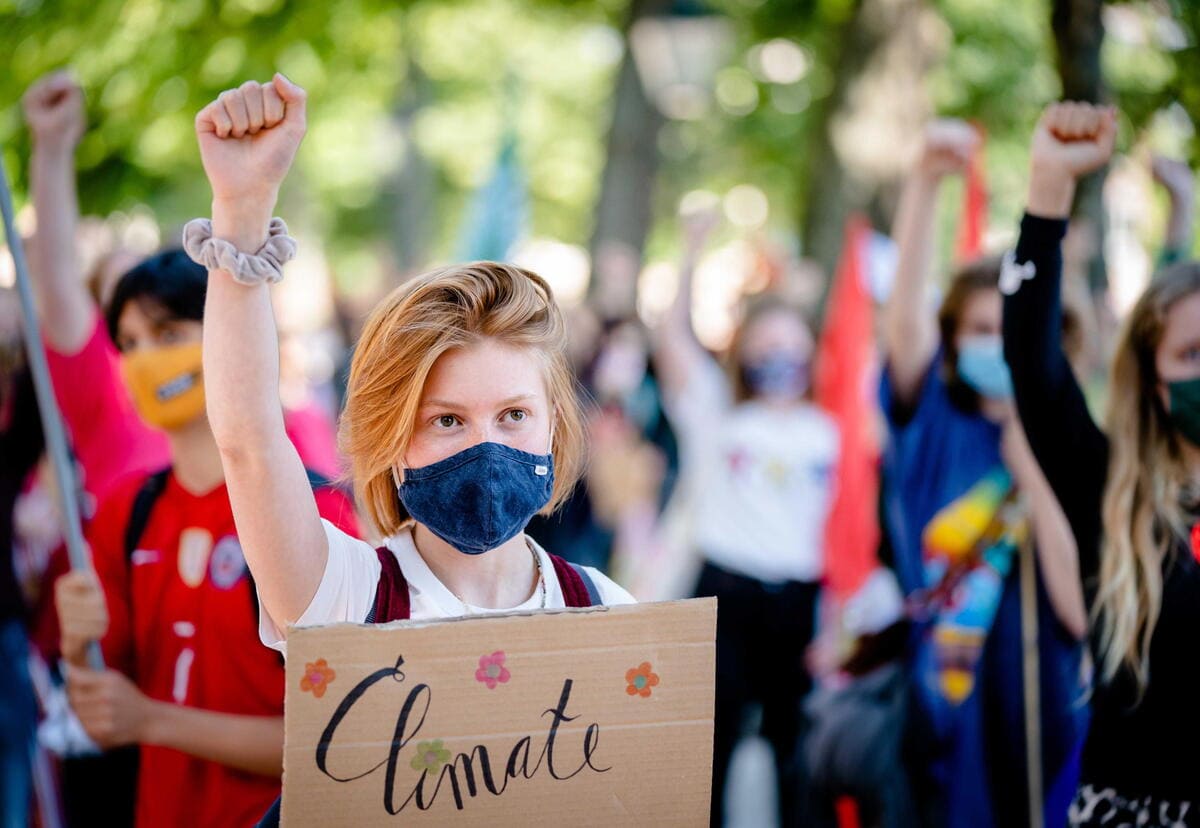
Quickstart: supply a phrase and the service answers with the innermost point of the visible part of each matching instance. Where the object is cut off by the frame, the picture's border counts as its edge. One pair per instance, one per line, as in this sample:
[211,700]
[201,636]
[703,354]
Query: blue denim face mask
[779,374]
[479,498]
[981,365]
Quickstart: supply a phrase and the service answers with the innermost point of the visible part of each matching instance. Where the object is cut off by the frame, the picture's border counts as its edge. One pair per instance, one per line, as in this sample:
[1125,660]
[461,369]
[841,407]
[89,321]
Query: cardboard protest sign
[568,717]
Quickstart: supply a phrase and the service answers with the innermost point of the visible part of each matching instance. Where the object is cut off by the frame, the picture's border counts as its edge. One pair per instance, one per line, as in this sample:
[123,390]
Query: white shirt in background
[347,589]
[761,479]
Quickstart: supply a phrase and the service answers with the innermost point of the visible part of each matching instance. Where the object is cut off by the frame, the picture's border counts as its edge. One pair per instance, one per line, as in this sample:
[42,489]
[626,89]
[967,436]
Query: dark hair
[169,279]
[983,275]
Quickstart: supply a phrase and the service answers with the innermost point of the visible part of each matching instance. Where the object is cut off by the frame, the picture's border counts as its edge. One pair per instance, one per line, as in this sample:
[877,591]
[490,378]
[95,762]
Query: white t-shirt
[761,478]
[347,589]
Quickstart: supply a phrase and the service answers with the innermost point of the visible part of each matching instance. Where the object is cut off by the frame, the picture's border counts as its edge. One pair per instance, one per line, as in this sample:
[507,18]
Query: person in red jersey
[171,598]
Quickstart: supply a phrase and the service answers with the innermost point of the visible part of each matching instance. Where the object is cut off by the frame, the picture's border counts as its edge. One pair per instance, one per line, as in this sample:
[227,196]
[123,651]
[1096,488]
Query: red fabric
[183,625]
[975,207]
[844,386]
[109,438]
[847,812]
[313,433]
[575,592]
[391,593]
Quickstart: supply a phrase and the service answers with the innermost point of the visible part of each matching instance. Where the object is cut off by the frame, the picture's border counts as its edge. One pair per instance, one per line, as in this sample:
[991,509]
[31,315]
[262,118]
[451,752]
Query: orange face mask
[167,384]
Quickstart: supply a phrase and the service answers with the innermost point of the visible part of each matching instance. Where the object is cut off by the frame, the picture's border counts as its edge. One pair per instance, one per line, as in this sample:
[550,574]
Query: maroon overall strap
[575,591]
[391,593]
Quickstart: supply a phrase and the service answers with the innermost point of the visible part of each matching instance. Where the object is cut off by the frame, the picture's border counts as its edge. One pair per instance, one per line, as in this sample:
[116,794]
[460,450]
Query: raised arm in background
[1070,141]
[54,110]
[910,336]
[1176,178]
[1053,541]
[248,139]
[677,352]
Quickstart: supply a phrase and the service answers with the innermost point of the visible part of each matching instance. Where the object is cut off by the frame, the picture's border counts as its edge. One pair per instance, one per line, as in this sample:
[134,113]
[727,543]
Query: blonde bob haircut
[454,307]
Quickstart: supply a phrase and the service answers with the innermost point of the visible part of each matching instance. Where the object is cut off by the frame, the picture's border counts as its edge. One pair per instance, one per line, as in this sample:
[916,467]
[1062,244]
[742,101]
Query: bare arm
[677,351]
[248,743]
[54,110]
[909,325]
[1057,552]
[248,138]
[115,712]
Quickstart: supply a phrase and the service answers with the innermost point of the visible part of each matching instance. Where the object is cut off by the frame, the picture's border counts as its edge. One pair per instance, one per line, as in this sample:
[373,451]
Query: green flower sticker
[430,756]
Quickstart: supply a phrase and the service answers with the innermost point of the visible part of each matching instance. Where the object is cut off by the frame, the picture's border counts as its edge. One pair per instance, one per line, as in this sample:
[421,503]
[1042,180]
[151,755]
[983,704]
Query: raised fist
[1071,140]
[1175,176]
[948,147]
[54,111]
[249,136]
[1074,138]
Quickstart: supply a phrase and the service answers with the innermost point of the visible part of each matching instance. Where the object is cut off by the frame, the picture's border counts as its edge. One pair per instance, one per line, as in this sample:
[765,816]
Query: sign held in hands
[575,716]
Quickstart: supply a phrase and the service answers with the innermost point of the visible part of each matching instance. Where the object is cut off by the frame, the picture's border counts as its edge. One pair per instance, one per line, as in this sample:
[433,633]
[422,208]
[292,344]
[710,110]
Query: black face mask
[1184,410]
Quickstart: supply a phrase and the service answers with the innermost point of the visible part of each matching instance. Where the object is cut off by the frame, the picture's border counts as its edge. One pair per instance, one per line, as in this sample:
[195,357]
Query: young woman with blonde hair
[1132,496]
[460,423]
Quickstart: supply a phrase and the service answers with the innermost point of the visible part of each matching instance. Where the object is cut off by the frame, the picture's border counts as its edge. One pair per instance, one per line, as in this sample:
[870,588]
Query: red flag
[845,381]
[975,207]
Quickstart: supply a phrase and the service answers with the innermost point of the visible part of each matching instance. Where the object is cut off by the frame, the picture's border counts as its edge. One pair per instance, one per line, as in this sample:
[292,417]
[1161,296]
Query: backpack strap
[579,590]
[143,504]
[391,592]
[590,585]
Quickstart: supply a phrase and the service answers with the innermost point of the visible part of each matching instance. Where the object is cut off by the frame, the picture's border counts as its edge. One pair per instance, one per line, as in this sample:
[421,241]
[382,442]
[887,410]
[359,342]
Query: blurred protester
[963,497]
[628,422]
[758,459]
[170,599]
[20,448]
[625,482]
[1132,497]
[109,440]
[1177,179]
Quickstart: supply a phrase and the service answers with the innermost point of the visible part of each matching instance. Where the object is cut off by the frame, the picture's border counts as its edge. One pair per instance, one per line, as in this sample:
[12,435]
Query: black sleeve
[1070,448]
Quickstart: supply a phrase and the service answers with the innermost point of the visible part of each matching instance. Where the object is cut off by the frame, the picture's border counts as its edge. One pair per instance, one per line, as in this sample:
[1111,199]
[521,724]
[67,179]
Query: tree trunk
[411,194]
[624,210]
[1078,35]
[872,121]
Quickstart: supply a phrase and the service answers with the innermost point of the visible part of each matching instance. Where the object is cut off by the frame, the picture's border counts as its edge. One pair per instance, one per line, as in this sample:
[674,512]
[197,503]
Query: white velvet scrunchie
[217,254]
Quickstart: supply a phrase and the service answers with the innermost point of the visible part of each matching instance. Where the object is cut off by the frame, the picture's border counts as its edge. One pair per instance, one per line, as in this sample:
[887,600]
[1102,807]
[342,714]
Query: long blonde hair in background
[1142,512]
[454,307]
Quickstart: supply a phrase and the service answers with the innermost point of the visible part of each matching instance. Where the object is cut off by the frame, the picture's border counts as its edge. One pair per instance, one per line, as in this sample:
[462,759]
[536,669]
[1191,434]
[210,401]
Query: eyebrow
[453,405]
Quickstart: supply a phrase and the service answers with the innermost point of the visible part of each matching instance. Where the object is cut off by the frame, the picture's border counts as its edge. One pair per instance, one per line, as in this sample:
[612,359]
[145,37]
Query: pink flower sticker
[492,670]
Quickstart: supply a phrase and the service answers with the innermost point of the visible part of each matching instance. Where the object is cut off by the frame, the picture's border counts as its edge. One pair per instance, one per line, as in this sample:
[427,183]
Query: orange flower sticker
[639,680]
[317,676]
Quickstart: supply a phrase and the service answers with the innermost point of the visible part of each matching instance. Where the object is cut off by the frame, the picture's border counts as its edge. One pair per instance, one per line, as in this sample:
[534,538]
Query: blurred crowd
[892,496]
